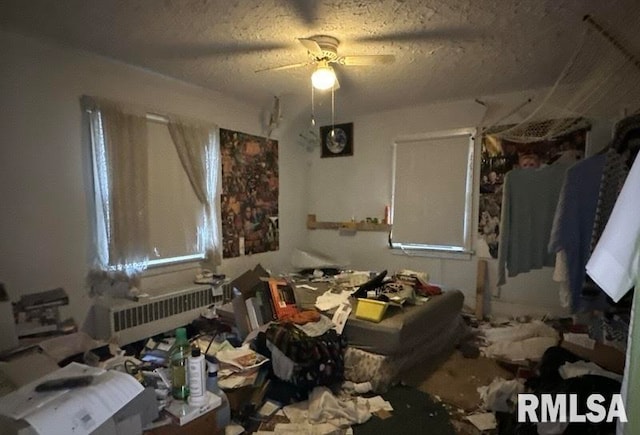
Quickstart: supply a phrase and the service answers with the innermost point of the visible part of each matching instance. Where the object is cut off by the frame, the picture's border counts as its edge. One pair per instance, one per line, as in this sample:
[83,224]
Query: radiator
[127,321]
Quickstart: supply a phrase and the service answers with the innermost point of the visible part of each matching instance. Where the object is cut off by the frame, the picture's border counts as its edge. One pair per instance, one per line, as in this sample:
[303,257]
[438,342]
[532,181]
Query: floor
[454,381]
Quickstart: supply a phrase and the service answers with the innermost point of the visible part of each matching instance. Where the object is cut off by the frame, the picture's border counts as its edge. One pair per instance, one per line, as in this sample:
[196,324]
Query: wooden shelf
[313,224]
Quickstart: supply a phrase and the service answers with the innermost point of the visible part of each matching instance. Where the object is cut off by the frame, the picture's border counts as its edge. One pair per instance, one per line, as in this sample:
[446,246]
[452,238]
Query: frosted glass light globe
[323,78]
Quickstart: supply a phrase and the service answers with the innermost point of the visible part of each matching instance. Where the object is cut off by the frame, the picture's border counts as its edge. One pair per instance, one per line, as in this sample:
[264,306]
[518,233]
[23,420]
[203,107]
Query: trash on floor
[501,395]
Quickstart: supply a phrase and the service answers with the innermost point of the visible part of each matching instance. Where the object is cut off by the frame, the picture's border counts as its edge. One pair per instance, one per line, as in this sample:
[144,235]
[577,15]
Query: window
[155,185]
[432,192]
[175,214]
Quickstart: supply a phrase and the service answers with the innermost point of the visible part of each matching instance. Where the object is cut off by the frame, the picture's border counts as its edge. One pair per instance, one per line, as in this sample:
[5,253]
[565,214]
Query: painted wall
[45,174]
[360,186]
[45,188]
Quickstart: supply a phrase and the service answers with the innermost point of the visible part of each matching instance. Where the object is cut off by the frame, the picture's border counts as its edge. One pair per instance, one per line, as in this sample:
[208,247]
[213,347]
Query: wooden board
[480,284]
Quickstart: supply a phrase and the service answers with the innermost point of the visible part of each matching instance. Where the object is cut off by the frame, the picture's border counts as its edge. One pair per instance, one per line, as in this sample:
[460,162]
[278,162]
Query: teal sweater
[529,200]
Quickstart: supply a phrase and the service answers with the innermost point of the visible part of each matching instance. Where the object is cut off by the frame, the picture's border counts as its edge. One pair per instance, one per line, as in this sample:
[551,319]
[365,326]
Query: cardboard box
[607,357]
[244,287]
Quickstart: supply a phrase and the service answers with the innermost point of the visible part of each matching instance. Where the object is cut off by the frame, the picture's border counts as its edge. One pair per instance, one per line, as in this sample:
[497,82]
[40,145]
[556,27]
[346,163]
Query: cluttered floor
[402,356]
[473,389]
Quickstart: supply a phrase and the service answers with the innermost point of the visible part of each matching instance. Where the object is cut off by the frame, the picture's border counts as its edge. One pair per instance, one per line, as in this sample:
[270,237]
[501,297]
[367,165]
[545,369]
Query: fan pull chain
[333,111]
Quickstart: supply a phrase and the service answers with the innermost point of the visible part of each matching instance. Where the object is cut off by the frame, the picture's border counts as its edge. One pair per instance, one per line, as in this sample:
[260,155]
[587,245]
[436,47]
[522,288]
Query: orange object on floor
[302,317]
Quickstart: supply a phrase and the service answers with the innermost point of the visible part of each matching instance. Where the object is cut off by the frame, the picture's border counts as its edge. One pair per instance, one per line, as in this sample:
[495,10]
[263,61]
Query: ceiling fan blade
[311,45]
[306,10]
[366,59]
[442,34]
[207,50]
[283,67]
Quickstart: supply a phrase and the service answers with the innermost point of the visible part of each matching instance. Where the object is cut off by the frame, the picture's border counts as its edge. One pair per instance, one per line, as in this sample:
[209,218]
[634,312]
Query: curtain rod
[157,118]
[150,116]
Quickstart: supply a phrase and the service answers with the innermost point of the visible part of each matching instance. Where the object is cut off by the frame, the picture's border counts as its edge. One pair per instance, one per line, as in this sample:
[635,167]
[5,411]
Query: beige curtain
[197,147]
[120,176]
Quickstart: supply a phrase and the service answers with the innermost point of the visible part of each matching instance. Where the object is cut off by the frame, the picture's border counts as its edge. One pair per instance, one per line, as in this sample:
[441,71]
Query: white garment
[615,262]
[614,265]
[561,276]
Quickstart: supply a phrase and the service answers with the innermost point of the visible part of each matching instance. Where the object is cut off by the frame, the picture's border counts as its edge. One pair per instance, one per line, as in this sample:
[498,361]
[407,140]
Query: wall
[360,186]
[45,180]
[45,189]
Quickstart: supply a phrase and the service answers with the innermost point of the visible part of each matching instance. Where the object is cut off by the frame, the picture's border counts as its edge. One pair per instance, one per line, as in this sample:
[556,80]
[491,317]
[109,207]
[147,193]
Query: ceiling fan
[323,51]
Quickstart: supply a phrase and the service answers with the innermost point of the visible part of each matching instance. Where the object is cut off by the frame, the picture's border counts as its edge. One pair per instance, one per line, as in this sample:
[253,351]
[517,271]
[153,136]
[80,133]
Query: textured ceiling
[444,49]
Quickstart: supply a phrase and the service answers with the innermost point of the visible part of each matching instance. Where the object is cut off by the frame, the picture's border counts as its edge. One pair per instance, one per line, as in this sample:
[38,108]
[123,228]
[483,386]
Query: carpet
[414,412]
[457,379]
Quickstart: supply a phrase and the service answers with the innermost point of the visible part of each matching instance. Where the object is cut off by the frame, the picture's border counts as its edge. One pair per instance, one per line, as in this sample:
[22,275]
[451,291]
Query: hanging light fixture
[323,77]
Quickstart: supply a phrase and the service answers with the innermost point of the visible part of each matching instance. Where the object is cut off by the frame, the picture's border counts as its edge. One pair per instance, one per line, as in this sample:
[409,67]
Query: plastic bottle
[197,378]
[223,413]
[178,359]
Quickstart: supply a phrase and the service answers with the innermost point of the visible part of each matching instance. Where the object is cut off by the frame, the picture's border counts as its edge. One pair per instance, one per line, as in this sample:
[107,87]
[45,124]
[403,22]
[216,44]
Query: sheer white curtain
[120,176]
[197,147]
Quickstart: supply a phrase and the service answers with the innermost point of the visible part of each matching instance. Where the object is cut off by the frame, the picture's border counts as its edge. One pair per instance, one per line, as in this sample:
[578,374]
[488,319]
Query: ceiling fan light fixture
[323,77]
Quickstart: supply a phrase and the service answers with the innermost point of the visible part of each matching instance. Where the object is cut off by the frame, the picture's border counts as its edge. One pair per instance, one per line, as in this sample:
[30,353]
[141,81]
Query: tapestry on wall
[249,200]
[499,156]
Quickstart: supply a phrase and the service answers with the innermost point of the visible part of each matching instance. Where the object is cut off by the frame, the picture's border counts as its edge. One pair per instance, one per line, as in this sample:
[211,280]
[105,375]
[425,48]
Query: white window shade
[432,191]
[175,211]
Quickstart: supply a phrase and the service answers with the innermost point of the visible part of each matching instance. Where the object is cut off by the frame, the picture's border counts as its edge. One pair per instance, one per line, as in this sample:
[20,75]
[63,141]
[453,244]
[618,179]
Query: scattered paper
[330,300]
[233,429]
[242,358]
[297,412]
[482,422]
[501,395]
[581,368]
[212,347]
[237,380]
[382,414]
[341,316]
[268,408]
[305,428]
[307,286]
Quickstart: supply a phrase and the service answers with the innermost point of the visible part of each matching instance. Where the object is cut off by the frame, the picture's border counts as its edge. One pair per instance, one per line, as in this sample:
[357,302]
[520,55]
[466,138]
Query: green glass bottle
[178,359]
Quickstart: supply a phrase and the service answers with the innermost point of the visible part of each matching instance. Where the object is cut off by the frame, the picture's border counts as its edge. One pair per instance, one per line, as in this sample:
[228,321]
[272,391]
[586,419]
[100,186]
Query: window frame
[463,250]
[153,263]
[96,168]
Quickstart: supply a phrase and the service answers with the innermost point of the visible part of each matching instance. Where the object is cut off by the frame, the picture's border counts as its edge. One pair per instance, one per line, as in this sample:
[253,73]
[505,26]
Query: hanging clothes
[529,200]
[613,177]
[615,263]
[615,267]
[573,222]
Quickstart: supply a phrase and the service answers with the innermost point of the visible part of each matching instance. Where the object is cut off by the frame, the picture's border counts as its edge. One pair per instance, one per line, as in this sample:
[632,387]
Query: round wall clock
[337,140]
